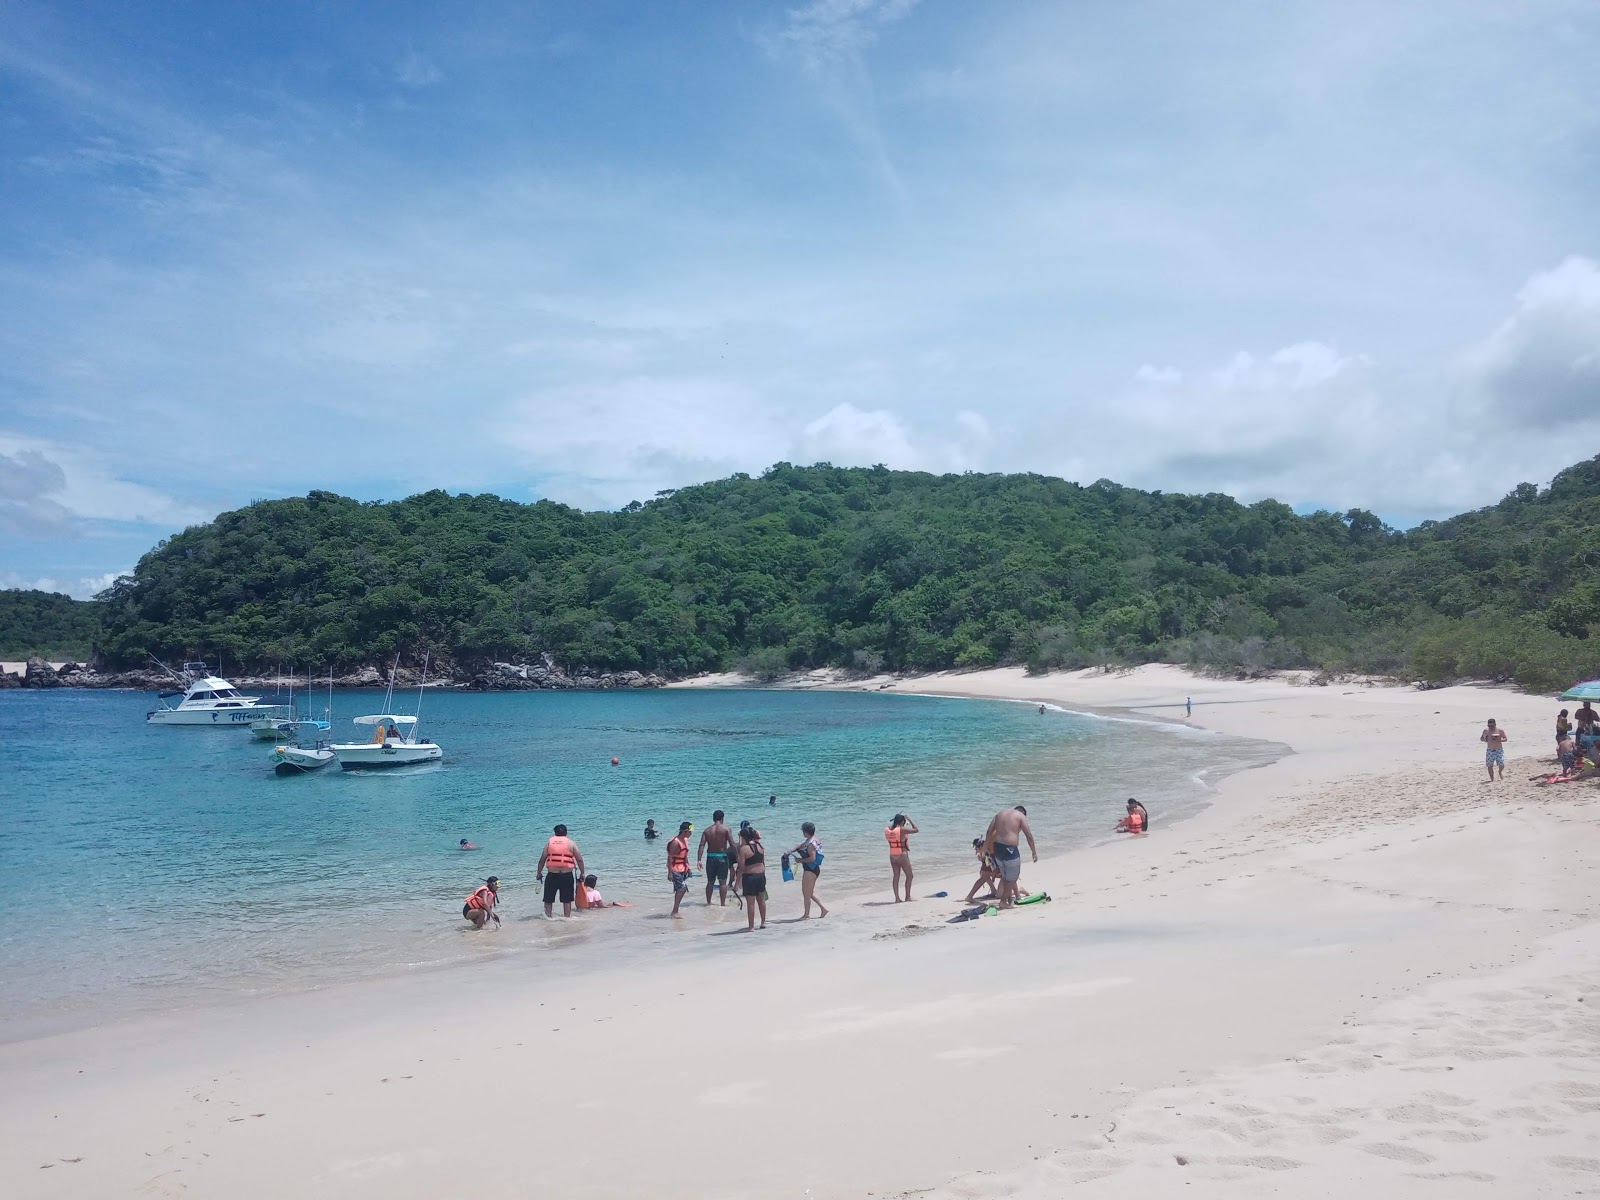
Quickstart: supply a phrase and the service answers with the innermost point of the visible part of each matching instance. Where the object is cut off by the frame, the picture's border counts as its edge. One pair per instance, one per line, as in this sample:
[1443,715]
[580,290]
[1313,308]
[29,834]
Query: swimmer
[772,802]
[651,833]
[678,866]
[479,908]
[1137,820]
[466,845]
[715,856]
[898,835]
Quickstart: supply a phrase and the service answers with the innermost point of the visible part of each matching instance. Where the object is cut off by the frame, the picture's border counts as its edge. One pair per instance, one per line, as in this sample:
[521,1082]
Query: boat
[294,725]
[308,749]
[208,700]
[397,740]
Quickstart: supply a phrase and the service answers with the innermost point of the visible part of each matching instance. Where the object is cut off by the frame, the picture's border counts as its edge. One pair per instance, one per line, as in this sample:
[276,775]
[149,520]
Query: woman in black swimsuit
[752,877]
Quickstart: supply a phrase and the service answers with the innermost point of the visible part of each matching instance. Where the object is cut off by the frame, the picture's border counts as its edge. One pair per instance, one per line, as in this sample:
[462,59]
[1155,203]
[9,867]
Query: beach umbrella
[1583,691]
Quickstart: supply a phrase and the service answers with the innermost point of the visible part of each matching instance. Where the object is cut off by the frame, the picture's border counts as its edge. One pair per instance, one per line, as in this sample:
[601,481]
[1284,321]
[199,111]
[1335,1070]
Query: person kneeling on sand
[479,908]
[1003,840]
[1137,820]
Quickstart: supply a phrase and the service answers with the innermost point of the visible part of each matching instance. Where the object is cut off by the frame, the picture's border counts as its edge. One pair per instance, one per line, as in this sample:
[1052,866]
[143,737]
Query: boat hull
[212,718]
[293,760]
[371,756]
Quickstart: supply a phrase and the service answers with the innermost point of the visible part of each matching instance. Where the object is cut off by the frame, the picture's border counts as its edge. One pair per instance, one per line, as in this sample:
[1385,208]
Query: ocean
[147,868]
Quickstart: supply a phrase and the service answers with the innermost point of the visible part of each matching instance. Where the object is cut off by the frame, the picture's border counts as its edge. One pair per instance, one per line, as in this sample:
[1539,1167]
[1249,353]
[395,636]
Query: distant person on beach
[988,873]
[479,908]
[1188,706]
[1563,726]
[1567,753]
[1137,820]
[898,835]
[564,863]
[678,866]
[1494,754]
[651,833]
[716,856]
[751,874]
[1003,841]
[809,855]
[466,845]
[1586,715]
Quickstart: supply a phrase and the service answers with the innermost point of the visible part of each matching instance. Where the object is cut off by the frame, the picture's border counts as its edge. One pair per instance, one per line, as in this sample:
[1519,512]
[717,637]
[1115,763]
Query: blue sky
[1336,253]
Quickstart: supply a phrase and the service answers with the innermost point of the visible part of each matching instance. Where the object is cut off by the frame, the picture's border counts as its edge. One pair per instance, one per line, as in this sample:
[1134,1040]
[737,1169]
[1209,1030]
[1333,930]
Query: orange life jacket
[1136,822]
[678,855]
[899,840]
[482,898]
[558,854]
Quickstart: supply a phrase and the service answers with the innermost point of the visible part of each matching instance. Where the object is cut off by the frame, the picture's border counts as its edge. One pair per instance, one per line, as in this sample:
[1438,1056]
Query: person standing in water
[809,853]
[715,856]
[651,833]
[898,835]
[1003,841]
[751,875]
[678,866]
[560,866]
[479,908]
[1494,749]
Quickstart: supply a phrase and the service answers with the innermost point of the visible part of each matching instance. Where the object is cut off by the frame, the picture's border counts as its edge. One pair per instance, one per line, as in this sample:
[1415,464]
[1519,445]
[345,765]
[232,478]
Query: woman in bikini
[751,868]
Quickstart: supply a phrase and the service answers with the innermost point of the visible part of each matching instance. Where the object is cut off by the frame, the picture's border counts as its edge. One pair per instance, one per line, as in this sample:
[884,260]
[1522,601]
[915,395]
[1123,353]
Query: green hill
[807,566]
[48,624]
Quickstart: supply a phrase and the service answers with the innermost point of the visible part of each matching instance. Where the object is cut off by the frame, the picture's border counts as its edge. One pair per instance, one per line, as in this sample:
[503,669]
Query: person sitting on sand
[479,908]
[809,854]
[1137,820]
[1494,754]
[750,875]
[988,874]
[591,893]
[466,845]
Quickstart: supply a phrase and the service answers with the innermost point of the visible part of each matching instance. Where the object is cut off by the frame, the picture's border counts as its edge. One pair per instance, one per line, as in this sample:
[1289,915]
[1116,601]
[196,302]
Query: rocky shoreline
[544,675]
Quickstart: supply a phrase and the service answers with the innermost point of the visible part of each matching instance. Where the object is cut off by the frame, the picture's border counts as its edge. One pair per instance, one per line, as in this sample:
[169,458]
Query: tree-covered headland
[872,568]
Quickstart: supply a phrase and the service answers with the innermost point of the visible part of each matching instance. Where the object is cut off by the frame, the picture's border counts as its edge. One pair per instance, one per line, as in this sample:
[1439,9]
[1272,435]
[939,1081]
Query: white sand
[1361,973]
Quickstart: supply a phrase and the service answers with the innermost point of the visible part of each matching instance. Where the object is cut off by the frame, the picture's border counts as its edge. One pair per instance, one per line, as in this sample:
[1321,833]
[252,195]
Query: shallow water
[147,867]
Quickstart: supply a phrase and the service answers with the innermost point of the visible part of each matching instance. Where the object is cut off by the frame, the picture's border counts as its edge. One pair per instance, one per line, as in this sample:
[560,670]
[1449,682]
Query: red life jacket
[559,856]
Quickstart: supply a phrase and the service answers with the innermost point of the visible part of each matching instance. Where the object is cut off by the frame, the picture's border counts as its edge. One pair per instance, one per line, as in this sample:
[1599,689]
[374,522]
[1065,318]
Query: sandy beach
[1362,971]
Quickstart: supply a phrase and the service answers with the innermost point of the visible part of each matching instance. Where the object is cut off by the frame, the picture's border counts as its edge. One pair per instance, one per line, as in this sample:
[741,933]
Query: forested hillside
[47,624]
[875,568]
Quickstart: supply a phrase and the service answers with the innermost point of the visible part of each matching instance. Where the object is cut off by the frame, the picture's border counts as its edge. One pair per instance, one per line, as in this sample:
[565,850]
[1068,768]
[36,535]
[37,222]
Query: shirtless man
[715,856]
[1002,841]
[1494,749]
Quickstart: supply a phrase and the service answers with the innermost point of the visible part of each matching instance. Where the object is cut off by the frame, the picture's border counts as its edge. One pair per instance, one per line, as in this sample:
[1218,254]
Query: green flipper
[1036,898]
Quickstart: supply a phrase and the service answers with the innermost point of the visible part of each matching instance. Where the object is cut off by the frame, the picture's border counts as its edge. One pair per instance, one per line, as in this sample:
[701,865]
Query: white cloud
[48,489]
[848,437]
[416,70]
[1542,364]
[828,30]
[84,588]
[1153,374]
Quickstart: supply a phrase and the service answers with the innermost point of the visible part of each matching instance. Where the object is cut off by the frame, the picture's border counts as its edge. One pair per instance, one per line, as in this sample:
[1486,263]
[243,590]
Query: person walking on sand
[898,835]
[1494,740]
[560,867]
[678,867]
[479,908]
[1188,706]
[716,856]
[750,874]
[1003,841]
[809,852]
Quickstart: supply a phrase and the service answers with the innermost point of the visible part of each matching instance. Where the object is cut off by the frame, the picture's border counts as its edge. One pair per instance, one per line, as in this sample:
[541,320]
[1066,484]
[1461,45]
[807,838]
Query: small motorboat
[397,740]
[301,760]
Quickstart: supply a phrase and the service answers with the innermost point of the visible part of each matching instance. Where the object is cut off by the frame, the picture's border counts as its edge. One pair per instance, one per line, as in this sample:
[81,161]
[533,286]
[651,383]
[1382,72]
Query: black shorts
[753,885]
[466,911]
[559,885]
[716,868]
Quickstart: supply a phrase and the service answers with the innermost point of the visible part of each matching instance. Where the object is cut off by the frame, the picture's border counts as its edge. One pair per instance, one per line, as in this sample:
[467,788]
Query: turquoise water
[149,867]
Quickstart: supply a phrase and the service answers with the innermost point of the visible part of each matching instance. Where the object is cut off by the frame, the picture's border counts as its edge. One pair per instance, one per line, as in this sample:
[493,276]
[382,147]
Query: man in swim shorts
[1494,754]
[1003,841]
[715,856]
[564,862]
[678,866]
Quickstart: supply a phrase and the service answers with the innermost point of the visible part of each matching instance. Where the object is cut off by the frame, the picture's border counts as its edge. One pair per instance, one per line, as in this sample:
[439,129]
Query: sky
[1341,254]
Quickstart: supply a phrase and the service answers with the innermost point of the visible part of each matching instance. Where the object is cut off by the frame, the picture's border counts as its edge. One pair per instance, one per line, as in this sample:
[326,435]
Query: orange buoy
[615,761]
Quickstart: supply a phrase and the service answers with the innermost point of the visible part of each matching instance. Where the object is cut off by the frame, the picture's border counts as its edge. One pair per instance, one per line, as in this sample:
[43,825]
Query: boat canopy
[385,717]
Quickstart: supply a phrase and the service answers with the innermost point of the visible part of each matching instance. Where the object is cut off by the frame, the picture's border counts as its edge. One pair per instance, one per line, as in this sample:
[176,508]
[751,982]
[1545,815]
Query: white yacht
[208,700]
